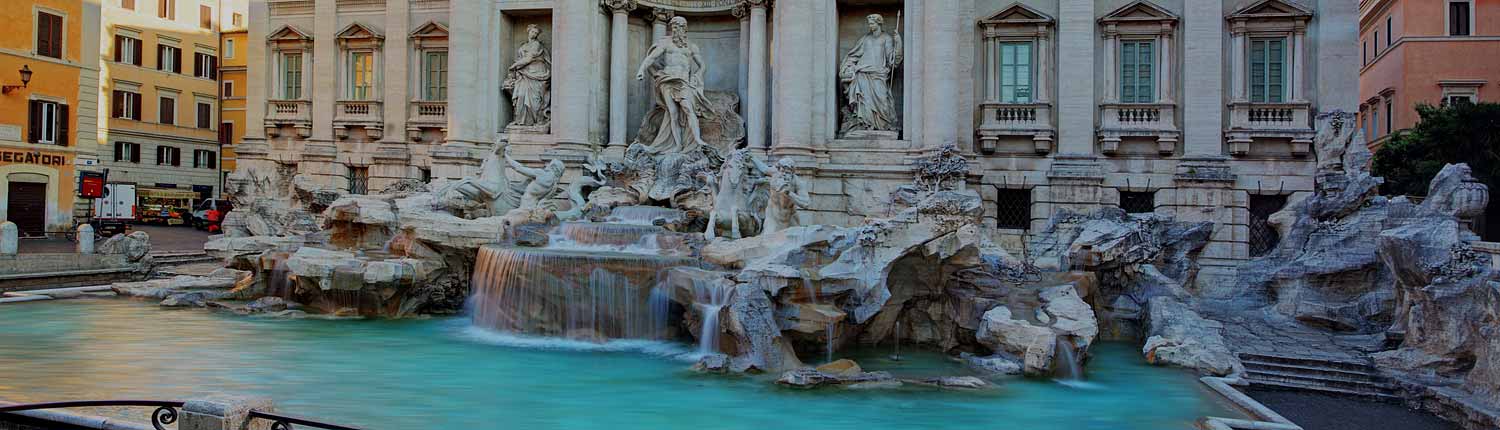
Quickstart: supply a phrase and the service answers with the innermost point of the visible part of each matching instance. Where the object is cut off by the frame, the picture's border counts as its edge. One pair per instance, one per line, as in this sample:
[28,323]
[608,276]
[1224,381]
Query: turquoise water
[441,374]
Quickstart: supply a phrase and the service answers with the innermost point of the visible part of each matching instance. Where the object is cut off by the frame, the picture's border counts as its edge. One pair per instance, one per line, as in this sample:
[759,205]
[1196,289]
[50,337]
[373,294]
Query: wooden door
[27,207]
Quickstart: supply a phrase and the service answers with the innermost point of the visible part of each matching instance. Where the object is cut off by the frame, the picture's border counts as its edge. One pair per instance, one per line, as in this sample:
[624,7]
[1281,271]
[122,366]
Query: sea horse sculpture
[732,201]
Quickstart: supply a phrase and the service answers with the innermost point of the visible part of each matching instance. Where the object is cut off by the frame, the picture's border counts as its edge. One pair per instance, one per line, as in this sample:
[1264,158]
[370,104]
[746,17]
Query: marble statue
[732,199]
[529,81]
[543,184]
[867,72]
[487,193]
[677,71]
[787,194]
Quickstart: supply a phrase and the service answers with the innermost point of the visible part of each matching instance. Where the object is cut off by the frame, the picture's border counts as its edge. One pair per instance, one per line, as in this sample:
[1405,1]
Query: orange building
[1424,51]
[232,82]
[49,68]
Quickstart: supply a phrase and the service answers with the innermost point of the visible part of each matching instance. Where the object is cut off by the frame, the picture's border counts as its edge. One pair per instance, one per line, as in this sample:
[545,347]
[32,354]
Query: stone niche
[512,35]
[852,25]
[718,40]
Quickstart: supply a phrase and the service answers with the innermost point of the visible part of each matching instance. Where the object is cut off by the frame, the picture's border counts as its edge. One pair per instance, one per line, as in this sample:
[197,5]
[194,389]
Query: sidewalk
[163,238]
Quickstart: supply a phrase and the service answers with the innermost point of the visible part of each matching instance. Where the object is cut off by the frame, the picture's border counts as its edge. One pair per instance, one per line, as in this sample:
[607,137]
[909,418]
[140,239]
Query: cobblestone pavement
[163,238]
[1254,332]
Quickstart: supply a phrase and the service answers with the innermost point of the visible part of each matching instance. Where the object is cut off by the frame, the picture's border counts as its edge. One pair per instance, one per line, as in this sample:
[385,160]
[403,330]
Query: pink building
[1424,51]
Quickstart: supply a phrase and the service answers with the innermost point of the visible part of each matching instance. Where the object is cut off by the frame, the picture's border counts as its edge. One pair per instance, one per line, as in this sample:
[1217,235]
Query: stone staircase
[172,258]
[1331,376]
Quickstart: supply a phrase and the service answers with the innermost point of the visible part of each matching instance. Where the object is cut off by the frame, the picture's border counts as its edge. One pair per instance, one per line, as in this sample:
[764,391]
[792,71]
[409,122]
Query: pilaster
[324,70]
[793,101]
[1075,77]
[940,46]
[1203,66]
[474,95]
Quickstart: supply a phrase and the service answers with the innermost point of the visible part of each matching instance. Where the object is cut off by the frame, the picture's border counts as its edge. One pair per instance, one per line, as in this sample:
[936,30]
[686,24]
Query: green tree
[1461,133]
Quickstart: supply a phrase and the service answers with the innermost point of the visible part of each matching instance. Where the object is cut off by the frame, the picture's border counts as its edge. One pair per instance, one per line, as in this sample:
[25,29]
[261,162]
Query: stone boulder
[813,378]
[1062,317]
[244,251]
[1178,336]
[135,246]
[215,287]
[756,336]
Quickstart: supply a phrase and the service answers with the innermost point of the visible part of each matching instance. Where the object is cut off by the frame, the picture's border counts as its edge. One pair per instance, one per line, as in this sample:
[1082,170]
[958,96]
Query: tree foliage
[1461,133]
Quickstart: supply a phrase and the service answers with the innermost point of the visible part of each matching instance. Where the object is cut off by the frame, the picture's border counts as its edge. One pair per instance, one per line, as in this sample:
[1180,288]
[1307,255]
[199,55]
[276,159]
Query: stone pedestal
[1074,183]
[10,238]
[1205,192]
[224,412]
[85,239]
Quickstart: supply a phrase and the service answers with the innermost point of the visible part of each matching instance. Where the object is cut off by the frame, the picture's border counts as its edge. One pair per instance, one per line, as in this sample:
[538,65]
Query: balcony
[365,114]
[1251,121]
[1151,120]
[288,113]
[426,115]
[1031,120]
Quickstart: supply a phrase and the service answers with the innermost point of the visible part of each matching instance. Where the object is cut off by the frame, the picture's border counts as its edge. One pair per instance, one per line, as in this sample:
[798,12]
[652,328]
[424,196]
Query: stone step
[1340,364]
[182,258]
[1297,386]
[1317,380]
[1253,365]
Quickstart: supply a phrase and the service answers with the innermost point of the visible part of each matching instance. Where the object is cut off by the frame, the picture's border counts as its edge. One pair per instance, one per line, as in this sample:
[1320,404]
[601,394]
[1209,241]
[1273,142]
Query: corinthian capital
[740,11]
[757,4]
[663,15]
[613,6]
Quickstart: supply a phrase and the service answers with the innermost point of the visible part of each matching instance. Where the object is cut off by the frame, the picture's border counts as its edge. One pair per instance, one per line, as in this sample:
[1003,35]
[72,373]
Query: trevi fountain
[692,277]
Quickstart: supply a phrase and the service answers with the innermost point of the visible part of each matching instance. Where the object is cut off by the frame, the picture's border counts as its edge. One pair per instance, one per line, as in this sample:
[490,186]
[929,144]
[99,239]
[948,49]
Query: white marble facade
[1196,106]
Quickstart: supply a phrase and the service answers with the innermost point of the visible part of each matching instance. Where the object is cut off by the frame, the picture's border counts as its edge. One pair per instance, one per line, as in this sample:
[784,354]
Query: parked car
[209,213]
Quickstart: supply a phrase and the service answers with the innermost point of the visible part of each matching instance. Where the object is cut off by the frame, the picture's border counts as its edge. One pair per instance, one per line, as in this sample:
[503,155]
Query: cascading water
[645,215]
[710,300]
[1066,364]
[278,276]
[586,287]
[828,345]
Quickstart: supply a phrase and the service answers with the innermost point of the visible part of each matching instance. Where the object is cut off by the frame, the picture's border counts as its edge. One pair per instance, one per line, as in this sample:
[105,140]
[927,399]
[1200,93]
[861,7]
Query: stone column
[940,96]
[619,11]
[324,70]
[1042,81]
[1164,78]
[1237,62]
[1203,62]
[1299,53]
[1075,77]
[742,13]
[1111,65]
[755,113]
[1337,58]
[224,412]
[473,84]
[659,19]
[576,52]
[396,74]
[794,78]
[261,66]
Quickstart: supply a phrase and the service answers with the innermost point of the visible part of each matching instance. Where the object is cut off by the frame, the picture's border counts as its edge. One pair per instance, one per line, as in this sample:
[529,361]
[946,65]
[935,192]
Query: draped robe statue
[866,73]
[529,82]
[677,85]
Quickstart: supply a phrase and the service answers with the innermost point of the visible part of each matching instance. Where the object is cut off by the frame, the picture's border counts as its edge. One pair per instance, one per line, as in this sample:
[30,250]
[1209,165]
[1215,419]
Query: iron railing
[166,413]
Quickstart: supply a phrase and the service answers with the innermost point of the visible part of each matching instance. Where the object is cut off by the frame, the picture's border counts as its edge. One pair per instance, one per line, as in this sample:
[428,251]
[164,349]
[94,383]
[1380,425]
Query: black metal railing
[284,422]
[165,413]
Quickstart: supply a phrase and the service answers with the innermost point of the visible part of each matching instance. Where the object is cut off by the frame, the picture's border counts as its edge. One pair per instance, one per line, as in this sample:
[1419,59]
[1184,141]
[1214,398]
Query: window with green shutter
[1137,71]
[437,76]
[1267,70]
[1015,72]
[291,76]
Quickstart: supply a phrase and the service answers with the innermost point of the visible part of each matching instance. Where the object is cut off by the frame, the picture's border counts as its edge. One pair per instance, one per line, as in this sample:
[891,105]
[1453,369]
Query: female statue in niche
[529,83]
[866,73]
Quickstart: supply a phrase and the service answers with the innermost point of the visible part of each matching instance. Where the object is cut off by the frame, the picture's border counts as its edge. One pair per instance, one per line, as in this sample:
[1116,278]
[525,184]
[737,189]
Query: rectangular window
[1268,70]
[237,19]
[229,47]
[205,115]
[126,151]
[168,58]
[127,50]
[166,9]
[126,105]
[228,89]
[205,17]
[1013,209]
[436,65]
[49,36]
[291,76]
[361,75]
[1364,52]
[1374,125]
[226,133]
[1137,64]
[127,4]
[1458,18]
[359,180]
[168,112]
[47,122]
[1138,202]
[1015,72]
[1390,36]
[205,66]
[168,156]
[205,159]
[1390,117]
[1455,100]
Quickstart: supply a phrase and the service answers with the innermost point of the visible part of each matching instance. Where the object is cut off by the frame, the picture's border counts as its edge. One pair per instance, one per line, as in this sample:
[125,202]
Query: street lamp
[25,81]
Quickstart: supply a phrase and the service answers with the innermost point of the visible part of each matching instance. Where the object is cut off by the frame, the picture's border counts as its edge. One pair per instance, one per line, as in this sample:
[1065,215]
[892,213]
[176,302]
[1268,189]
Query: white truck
[114,212]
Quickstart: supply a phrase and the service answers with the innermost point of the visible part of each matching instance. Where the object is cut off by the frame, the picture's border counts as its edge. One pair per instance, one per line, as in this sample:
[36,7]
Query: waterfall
[710,299]
[1066,365]
[897,333]
[645,215]
[593,295]
[828,345]
[279,277]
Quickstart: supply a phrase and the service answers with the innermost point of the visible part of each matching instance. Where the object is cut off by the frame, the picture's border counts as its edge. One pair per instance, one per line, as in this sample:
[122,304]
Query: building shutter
[33,121]
[57,37]
[119,151]
[119,44]
[213,160]
[137,59]
[161,57]
[117,104]
[135,153]
[213,67]
[176,61]
[62,124]
[135,106]
[43,34]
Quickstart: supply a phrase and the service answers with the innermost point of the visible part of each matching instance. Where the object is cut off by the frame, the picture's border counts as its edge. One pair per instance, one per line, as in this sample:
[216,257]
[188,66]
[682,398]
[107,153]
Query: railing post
[224,412]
